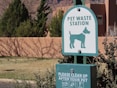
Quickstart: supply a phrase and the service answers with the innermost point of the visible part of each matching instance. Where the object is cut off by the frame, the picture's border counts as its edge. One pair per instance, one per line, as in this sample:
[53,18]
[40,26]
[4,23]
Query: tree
[13,16]
[40,27]
[25,29]
[55,26]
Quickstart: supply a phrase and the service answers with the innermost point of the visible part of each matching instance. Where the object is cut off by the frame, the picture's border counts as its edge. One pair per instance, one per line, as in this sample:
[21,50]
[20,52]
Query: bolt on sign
[75,76]
[80,32]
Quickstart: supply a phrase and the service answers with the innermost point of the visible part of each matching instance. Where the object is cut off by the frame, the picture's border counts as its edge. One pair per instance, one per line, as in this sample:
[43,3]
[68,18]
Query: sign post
[79,2]
[79,38]
[76,2]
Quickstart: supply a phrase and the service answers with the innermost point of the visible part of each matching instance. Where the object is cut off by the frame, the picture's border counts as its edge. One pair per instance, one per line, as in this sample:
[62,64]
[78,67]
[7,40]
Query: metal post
[79,2]
[84,60]
[75,59]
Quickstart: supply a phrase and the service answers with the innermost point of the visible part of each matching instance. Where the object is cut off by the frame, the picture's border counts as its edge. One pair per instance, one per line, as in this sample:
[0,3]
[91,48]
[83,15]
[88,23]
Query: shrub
[23,84]
[46,81]
[107,65]
[24,30]
[15,14]
[55,26]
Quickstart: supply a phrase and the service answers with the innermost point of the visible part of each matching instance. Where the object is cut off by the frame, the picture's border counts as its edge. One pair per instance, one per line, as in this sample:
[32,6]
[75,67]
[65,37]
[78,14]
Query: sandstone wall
[31,47]
[46,47]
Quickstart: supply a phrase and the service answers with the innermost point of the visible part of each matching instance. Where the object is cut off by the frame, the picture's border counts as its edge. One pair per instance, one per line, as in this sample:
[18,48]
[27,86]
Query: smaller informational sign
[80,32]
[75,76]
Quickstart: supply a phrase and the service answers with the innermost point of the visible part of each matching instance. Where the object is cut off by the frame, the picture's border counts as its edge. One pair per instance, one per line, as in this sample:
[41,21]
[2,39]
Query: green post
[84,60]
[75,59]
[79,2]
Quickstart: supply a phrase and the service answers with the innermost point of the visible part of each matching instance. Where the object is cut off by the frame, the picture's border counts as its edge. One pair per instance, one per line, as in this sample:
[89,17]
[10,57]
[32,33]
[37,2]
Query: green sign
[75,76]
[80,32]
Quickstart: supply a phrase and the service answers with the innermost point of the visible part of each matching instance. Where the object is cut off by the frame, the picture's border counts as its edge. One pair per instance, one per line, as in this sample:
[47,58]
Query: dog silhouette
[79,37]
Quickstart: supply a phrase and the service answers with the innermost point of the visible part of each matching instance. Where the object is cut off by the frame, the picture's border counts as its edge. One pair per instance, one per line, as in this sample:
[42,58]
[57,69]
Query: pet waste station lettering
[79,36]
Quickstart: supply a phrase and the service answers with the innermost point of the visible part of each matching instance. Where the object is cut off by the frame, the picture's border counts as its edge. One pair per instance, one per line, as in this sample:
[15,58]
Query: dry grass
[20,68]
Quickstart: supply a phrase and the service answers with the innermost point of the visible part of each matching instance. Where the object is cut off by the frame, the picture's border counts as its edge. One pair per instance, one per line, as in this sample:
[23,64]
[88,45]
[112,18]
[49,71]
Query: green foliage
[25,29]
[40,27]
[23,84]
[46,81]
[55,27]
[13,16]
[16,21]
[107,64]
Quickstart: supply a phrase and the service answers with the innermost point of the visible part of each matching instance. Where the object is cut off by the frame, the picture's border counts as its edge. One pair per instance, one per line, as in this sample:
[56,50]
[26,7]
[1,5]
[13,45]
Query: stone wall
[42,47]
[31,47]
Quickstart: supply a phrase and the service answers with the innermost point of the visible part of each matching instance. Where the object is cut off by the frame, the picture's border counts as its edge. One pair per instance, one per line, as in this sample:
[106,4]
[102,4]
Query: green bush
[15,14]
[15,21]
[55,26]
[23,84]
[45,81]
[107,65]
[24,30]
[41,19]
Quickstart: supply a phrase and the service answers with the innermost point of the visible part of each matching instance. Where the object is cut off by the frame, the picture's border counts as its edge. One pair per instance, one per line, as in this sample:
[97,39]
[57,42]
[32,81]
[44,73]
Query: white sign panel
[79,32]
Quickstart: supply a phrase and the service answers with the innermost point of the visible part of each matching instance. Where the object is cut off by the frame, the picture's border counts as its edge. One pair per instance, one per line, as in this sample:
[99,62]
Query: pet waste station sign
[79,32]
[79,38]
[75,76]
